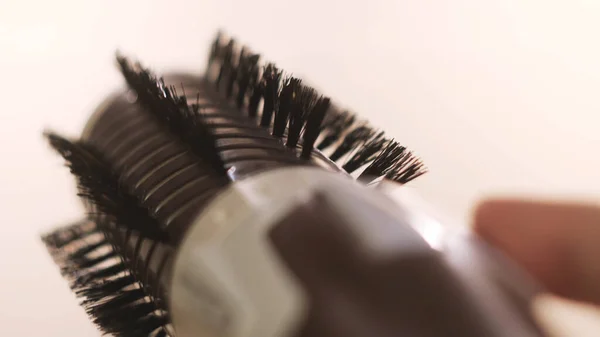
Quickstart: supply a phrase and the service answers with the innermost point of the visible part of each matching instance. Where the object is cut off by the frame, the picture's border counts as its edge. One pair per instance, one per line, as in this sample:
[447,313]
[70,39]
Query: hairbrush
[245,203]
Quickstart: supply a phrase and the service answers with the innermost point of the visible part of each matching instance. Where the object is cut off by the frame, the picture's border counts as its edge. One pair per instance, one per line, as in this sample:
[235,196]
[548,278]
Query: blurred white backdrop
[497,97]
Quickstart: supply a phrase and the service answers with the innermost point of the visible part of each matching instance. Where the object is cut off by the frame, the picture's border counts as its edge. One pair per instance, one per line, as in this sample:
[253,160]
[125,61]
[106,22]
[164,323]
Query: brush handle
[309,253]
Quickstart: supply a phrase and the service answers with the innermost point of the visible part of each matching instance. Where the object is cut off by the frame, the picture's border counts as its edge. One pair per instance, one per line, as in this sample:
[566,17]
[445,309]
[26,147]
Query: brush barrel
[309,253]
[172,182]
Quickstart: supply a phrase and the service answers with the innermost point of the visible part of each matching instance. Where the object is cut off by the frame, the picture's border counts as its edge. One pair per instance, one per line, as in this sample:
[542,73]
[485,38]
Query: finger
[558,243]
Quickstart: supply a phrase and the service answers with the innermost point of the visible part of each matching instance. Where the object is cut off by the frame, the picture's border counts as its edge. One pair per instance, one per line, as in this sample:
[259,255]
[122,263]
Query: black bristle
[88,248]
[254,88]
[257,93]
[352,140]
[125,315]
[205,141]
[145,326]
[117,300]
[287,99]
[86,277]
[98,184]
[100,289]
[61,238]
[247,72]
[270,86]
[334,127]
[410,169]
[87,262]
[232,76]
[173,110]
[352,143]
[385,161]
[227,61]
[301,108]
[365,154]
[396,163]
[215,49]
[313,126]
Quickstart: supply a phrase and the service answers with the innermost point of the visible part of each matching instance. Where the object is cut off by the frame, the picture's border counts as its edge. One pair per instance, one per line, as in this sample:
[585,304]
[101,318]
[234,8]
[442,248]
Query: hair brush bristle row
[173,110]
[351,143]
[99,185]
[129,310]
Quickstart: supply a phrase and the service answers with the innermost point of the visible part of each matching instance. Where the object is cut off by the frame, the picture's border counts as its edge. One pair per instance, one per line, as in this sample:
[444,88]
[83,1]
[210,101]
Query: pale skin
[558,243]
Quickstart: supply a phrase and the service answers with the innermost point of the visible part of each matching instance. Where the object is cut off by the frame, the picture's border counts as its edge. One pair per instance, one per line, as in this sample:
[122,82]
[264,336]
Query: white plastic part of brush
[228,280]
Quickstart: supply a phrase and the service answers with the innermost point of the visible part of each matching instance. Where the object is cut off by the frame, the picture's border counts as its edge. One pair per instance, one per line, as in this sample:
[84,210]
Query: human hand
[558,243]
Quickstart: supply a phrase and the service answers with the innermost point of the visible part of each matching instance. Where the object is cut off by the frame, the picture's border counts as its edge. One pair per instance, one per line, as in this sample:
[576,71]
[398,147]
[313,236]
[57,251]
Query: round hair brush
[244,203]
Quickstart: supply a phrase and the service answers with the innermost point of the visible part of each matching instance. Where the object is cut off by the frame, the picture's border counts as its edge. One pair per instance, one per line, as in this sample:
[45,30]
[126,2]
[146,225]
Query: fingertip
[491,218]
[557,242]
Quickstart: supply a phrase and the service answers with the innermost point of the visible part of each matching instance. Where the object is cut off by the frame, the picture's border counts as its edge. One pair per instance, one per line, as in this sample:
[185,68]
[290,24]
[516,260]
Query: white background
[497,97]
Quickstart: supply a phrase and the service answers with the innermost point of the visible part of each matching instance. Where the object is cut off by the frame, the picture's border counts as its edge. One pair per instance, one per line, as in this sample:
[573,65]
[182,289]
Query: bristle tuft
[410,169]
[392,154]
[366,153]
[173,109]
[115,301]
[97,290]
[270,90]
[57,240]
[247,76]
[396,163]
[98,184]
[352,140]
[334,127]
[287,99]
[226,65]
[301,107]
[215,49]
[313,126]
[100,274]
